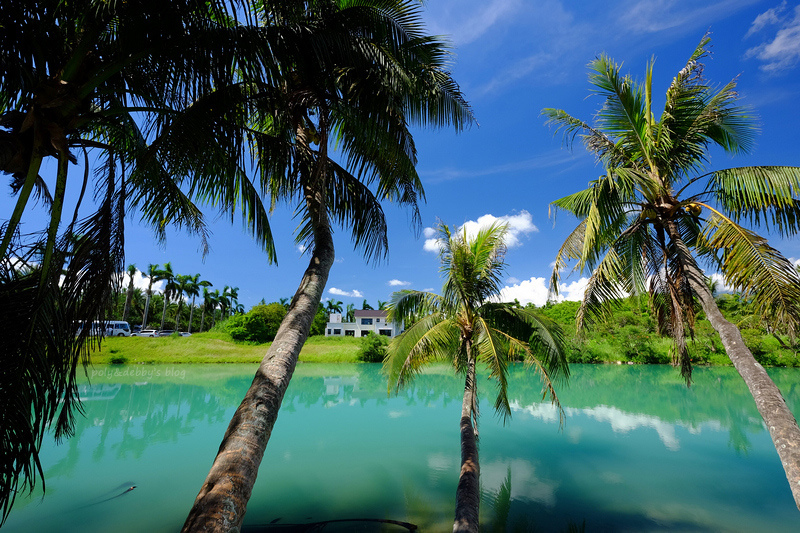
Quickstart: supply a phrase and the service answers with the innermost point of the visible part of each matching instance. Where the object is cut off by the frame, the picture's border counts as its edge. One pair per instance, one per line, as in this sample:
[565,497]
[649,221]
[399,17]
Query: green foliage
[373,348]
[259,325]
[320,321]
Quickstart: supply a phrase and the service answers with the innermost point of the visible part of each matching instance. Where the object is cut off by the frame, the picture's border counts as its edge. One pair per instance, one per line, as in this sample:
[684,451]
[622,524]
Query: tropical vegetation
[657,213]
[466,325]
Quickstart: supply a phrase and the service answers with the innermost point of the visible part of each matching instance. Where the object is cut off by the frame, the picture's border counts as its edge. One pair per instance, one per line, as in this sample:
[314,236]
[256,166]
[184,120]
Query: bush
[260,325]
[373,348]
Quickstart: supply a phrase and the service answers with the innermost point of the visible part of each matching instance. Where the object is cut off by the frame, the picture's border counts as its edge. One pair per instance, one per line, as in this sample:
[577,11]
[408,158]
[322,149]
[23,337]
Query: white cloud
[398,283]
[535,290]
[518,225]
[467,21]
[768,17]
[782,51]
[301,248]
[352,294]
[651,16]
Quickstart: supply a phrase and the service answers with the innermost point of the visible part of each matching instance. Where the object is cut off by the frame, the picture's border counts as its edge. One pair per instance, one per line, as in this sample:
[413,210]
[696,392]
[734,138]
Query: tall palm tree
[122,80]
[152,277]
[365,306]
[170,288]
[210,300]
[465,325]
[182,282]
[360,75]
[657,202]
[193,290]
[350,315]
[131,272]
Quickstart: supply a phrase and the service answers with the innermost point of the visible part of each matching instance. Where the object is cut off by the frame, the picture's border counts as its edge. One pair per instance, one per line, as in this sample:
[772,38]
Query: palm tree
[152,277]
[193,290]
[182,282]
[365,306]
[656,202]
[465,325]
[360,75]
[382,305]
[117,79]
[210,301]
[131,272]
[334,306]
[170,288]
[351,313]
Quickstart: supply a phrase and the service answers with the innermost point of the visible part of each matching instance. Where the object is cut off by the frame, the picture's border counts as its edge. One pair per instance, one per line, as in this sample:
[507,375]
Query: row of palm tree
[175,288]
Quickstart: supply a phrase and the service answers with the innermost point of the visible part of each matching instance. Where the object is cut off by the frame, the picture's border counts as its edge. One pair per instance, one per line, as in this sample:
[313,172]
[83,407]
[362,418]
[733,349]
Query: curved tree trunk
[222,501]
[779,419]
[468,493]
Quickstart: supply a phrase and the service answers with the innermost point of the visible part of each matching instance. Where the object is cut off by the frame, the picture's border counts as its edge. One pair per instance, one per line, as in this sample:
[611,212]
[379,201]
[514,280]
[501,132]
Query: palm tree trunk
[191,315]
[778,418]
[146,309]
[468,491]
[222,501]
[202,319]
[164,312]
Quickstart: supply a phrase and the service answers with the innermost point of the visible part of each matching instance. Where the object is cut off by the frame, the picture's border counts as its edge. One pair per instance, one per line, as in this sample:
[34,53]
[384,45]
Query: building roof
[370,313]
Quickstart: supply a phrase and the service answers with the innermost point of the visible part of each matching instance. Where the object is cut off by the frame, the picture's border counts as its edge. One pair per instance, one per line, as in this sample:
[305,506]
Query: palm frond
[752,266]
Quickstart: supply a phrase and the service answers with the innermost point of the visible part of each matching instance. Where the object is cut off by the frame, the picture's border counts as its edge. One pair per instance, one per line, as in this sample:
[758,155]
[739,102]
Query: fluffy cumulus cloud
[352,294]
[398,283]
[534,290]
[519,225]
[780,27]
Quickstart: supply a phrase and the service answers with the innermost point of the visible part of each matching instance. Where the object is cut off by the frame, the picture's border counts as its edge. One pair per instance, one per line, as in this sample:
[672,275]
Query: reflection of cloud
[397,414]
[525,485]
[620,421]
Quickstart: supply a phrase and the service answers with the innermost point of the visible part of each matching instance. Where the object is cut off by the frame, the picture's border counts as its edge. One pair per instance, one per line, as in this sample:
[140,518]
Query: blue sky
[513,58]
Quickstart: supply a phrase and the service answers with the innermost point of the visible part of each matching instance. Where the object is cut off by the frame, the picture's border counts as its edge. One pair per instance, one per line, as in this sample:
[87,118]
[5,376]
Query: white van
[117,328]
[109,328]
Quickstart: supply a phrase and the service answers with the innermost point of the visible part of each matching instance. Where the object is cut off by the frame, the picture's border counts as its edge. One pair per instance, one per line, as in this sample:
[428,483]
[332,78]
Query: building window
[366,321]
[350,333]
[329,331]
[365,333]
[337,331]
[386,332]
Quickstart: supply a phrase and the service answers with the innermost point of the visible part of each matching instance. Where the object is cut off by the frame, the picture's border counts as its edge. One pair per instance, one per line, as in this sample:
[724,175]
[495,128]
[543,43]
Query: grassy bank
[215,347]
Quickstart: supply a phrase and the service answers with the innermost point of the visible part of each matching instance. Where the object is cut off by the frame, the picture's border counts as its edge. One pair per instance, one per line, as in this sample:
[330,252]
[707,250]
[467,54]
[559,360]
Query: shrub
[260,325]
[373,348]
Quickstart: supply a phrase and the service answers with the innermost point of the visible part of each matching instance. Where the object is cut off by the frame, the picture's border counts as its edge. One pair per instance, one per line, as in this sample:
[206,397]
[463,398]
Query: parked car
[136,329]
[185,334]
[166,332]
[145,333]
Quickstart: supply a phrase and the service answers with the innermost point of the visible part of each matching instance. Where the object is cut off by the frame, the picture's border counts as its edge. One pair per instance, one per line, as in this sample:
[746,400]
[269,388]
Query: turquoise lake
[639,451]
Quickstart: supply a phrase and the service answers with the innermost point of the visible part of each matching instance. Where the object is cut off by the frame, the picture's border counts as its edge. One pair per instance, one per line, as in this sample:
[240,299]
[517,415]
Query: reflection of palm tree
[465,326]
[641,219]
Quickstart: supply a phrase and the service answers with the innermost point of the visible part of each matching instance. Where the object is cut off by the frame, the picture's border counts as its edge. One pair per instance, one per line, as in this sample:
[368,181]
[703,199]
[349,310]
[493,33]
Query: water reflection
[639,451]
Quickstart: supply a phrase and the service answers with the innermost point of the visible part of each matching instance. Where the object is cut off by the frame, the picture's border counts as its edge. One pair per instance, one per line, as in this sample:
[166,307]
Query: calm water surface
[638,452]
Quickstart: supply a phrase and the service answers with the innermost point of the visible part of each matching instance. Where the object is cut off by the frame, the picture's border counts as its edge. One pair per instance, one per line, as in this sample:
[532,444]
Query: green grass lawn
[216,347]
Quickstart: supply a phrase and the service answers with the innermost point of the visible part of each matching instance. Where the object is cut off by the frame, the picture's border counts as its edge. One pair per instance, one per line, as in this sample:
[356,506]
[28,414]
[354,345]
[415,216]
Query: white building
[366,321]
